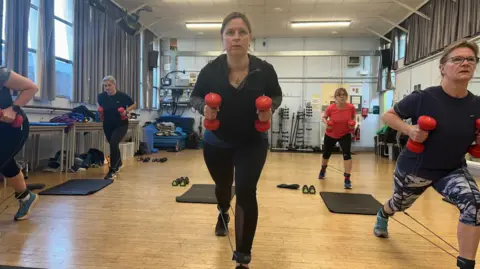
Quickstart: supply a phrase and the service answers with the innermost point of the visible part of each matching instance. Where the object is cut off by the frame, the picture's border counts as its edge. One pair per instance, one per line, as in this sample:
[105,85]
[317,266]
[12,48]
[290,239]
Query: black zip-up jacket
[237,113]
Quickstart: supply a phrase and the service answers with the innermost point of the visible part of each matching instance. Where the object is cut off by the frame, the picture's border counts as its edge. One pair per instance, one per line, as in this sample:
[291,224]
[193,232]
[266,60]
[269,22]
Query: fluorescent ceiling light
[312,24]
[203,25]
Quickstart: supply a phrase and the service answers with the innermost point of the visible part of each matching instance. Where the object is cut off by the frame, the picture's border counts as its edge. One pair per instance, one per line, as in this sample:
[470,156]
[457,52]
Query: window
[156,86]
[63,10]
[402,45]
[33,40]
[3,38]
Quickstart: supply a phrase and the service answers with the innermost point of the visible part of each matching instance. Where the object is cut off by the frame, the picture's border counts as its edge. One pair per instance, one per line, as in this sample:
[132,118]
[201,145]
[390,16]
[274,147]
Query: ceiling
[270,18]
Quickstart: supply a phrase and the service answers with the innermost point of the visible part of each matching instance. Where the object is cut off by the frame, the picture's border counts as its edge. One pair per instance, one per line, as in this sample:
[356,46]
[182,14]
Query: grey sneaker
[25,207]
[381,226]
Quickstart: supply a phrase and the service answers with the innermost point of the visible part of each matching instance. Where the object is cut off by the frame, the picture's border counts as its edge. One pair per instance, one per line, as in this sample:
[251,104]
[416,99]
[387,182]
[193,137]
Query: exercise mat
[351,203]
[201,194]
[78,187]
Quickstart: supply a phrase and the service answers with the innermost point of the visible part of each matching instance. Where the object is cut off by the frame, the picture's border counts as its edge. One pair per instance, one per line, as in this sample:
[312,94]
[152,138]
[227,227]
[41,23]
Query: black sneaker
[221,228]
[111,175]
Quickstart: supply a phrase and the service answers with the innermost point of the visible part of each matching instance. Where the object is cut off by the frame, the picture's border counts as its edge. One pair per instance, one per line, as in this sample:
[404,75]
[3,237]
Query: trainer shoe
[322,174]
[26,206]
[111,175]
[381,226]
[347,184]
[221,228]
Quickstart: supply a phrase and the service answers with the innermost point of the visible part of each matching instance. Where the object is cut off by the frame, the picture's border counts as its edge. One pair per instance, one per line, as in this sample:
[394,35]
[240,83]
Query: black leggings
[114,136]
[345,143]
[246,162]
[12,141]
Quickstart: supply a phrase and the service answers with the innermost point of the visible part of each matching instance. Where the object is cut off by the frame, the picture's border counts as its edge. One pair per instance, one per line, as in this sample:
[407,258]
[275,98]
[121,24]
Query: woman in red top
[340,121]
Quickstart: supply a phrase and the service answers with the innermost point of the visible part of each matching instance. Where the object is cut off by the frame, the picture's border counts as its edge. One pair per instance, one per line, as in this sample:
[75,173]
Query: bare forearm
[25,96]
[395,122]
[132,107]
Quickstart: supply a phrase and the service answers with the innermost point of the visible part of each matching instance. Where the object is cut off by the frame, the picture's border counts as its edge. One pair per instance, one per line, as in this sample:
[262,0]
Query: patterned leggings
[458,187]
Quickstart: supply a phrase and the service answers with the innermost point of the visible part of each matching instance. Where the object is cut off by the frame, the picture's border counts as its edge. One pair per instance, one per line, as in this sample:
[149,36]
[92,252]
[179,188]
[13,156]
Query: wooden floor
[136,223]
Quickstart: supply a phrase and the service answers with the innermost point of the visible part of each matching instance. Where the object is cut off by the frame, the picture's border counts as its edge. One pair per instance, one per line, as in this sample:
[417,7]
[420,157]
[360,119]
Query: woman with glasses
[440,163]
[339,119]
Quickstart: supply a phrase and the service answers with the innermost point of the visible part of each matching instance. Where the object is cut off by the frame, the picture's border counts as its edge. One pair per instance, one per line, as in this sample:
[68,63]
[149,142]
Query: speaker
[152,59]
[386,58]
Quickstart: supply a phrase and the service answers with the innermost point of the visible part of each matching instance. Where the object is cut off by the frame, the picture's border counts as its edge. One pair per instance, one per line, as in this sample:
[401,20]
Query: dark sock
[385,214]
[21,195]
[463,263]
[324,167]
[347,176]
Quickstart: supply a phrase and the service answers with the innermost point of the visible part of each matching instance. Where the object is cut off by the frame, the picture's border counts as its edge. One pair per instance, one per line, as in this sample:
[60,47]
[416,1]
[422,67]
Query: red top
[340,118]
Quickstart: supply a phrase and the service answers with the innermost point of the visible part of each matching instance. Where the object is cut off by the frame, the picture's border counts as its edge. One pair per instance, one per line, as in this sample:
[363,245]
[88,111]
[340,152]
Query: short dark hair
[459,44]
[341,90]
[235,15]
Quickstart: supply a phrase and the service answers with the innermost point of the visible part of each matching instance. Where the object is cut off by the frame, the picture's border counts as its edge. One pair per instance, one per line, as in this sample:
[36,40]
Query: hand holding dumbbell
[475,150]
[351,124]
[263,104]
[17,121]
[212,104]
[425,123]
[329,126]
[123,113]
[100,112]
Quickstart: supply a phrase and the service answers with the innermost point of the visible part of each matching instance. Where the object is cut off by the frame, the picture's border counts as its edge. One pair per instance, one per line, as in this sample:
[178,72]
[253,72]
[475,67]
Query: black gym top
[5,96]
[237,113]
[446,146]
[111,104]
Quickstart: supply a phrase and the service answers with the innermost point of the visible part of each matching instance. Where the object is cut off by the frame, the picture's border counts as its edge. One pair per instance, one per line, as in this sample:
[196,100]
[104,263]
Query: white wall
[427,74]
[302,78]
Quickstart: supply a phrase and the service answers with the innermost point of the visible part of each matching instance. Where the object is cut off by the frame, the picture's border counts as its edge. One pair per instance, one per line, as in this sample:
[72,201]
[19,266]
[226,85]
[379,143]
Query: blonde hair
[111,79]
[459,44]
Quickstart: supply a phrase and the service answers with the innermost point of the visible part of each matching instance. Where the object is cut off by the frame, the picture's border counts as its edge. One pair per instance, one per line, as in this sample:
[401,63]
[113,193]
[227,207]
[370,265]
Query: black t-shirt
[111,104]
[5,96]
[446,146]
[237,112]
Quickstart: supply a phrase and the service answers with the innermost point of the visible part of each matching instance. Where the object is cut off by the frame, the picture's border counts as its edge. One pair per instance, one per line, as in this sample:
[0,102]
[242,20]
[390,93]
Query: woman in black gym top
[236,147]
[115,106]
[14,134]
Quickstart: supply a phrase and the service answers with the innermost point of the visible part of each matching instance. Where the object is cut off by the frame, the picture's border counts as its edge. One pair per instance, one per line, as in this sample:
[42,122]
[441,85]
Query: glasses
[461,60]
[340,95]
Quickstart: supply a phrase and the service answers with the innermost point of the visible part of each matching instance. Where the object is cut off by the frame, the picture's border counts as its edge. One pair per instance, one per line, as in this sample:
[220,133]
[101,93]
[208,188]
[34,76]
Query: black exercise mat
[16,267]
[351,203]
[78,187]
[200,194]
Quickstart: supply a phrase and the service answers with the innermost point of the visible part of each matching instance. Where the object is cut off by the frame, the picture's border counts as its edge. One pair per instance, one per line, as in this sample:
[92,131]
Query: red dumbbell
[425,123]
[329,126]
[212,100]
[351,124]
[121,110]
[475,150]
[100,112]
[17,122]
[263,103]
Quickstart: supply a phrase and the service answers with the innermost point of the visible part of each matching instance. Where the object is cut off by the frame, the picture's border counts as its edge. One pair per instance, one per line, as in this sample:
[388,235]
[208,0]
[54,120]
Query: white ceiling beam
[393,24]
[411,9]
[379,35]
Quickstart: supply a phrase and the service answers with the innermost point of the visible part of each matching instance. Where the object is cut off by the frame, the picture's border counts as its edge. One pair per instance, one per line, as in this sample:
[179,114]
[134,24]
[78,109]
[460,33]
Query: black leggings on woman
[12,141]
[345,143]
[114,136]
[246,162]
